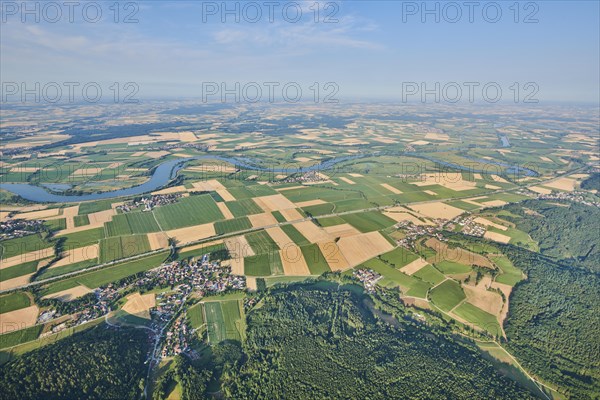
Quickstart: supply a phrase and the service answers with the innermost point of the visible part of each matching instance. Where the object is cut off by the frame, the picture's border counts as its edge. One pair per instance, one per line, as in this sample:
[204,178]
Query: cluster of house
[413,232]
[177,338]
[308,177]
[469,226]
[14,228]
[148,203]
[368,277]
[576,197]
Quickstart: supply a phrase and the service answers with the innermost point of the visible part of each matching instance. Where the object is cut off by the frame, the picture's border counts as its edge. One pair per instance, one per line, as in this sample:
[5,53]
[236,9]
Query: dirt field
[492,187]
[192,233]
[224,210]
[391,188]
[208,186]
[18,319]
[238,247]
[506,289]
[237,265]
[430,192]
[43,214]
[312,232]
[355,175]
[565,184]
[498,237]
[359,248]
[497,178]
[283,189]
[458,255]
[309,203]
[494,203]
[293,261]
[15,282]
[251,283]
[540,190]
[414,266]
[158,240]
[487,222]
[341,230]
[484,299]
[23,258]
[274,202]
[101,217]
[260,220]
[347,180]
[77,255]
[334,256]
[291,214]
[437,210]
[279,236]
[70,294]
[139,305]
[172,189]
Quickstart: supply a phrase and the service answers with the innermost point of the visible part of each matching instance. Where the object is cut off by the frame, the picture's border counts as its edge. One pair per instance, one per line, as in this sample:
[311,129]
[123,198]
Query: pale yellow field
[450,180]
[101,217]
[399,214]
[494,203]
[492,187]
[487,222]
[480,297]
[139,305]
[172,189]
[18,319]
[414,266]
[565,184]
[237,265]
[24,169]
[309,203]
[224,193]
[291,214]
[333,255]
[260,220]
[355,175]
[360,248]
[391,188]
[303,159]
[192,233]
[437,136]
[23,258]
[458,254]
[499,179]
[293,261]
[208,186]
[437,210]
[283,189]
[347,180]
[73,256]
[430,192]
[70,294]
[506,289]
[238,247]
[540,190]
[15,282]
[251,283]
[224,210]
[312,232]
[158,240]
[545,159]
[42,214]
[274,202]
[280,237]
[341,230]
[498,237]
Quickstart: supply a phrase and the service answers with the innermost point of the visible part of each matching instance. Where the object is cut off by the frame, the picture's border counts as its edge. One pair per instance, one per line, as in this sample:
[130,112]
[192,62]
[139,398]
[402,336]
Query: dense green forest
[553,326]
[569,234]
[97,364]
[592,183]
[309,342]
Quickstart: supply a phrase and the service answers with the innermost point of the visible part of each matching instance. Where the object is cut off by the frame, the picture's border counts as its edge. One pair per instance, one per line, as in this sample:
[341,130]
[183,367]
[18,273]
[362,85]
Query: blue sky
[368,53]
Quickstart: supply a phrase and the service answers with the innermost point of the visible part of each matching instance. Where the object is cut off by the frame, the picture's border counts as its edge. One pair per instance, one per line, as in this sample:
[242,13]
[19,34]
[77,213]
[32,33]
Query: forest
[315,342]
[101,363]
[567,233]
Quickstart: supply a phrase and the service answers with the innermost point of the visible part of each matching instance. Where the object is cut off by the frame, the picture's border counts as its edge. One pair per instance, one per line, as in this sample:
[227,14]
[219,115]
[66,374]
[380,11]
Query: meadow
[193,210]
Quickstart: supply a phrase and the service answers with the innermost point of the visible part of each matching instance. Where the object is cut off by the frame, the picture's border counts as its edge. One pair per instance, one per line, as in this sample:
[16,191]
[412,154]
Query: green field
[132,223]
[15,247]
[399,257]
[83,238]
[56,224]
[394,278]
[115,248]
[451,267]
[430,274]
[18,270]
[331,221]
[261,242]
[510,274]
[95,206]
[481,318]
[193,210]
[106,275]
[195,315]
[14,301]
[224,321]
[21,336]
[243,207]
[447,295]
[232,225]
[81,220]
[295,235]
[263,264]
[317,264]
[368,221]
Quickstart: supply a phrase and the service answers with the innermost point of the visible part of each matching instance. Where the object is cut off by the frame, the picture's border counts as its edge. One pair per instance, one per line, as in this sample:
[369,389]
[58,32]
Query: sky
[353,50]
